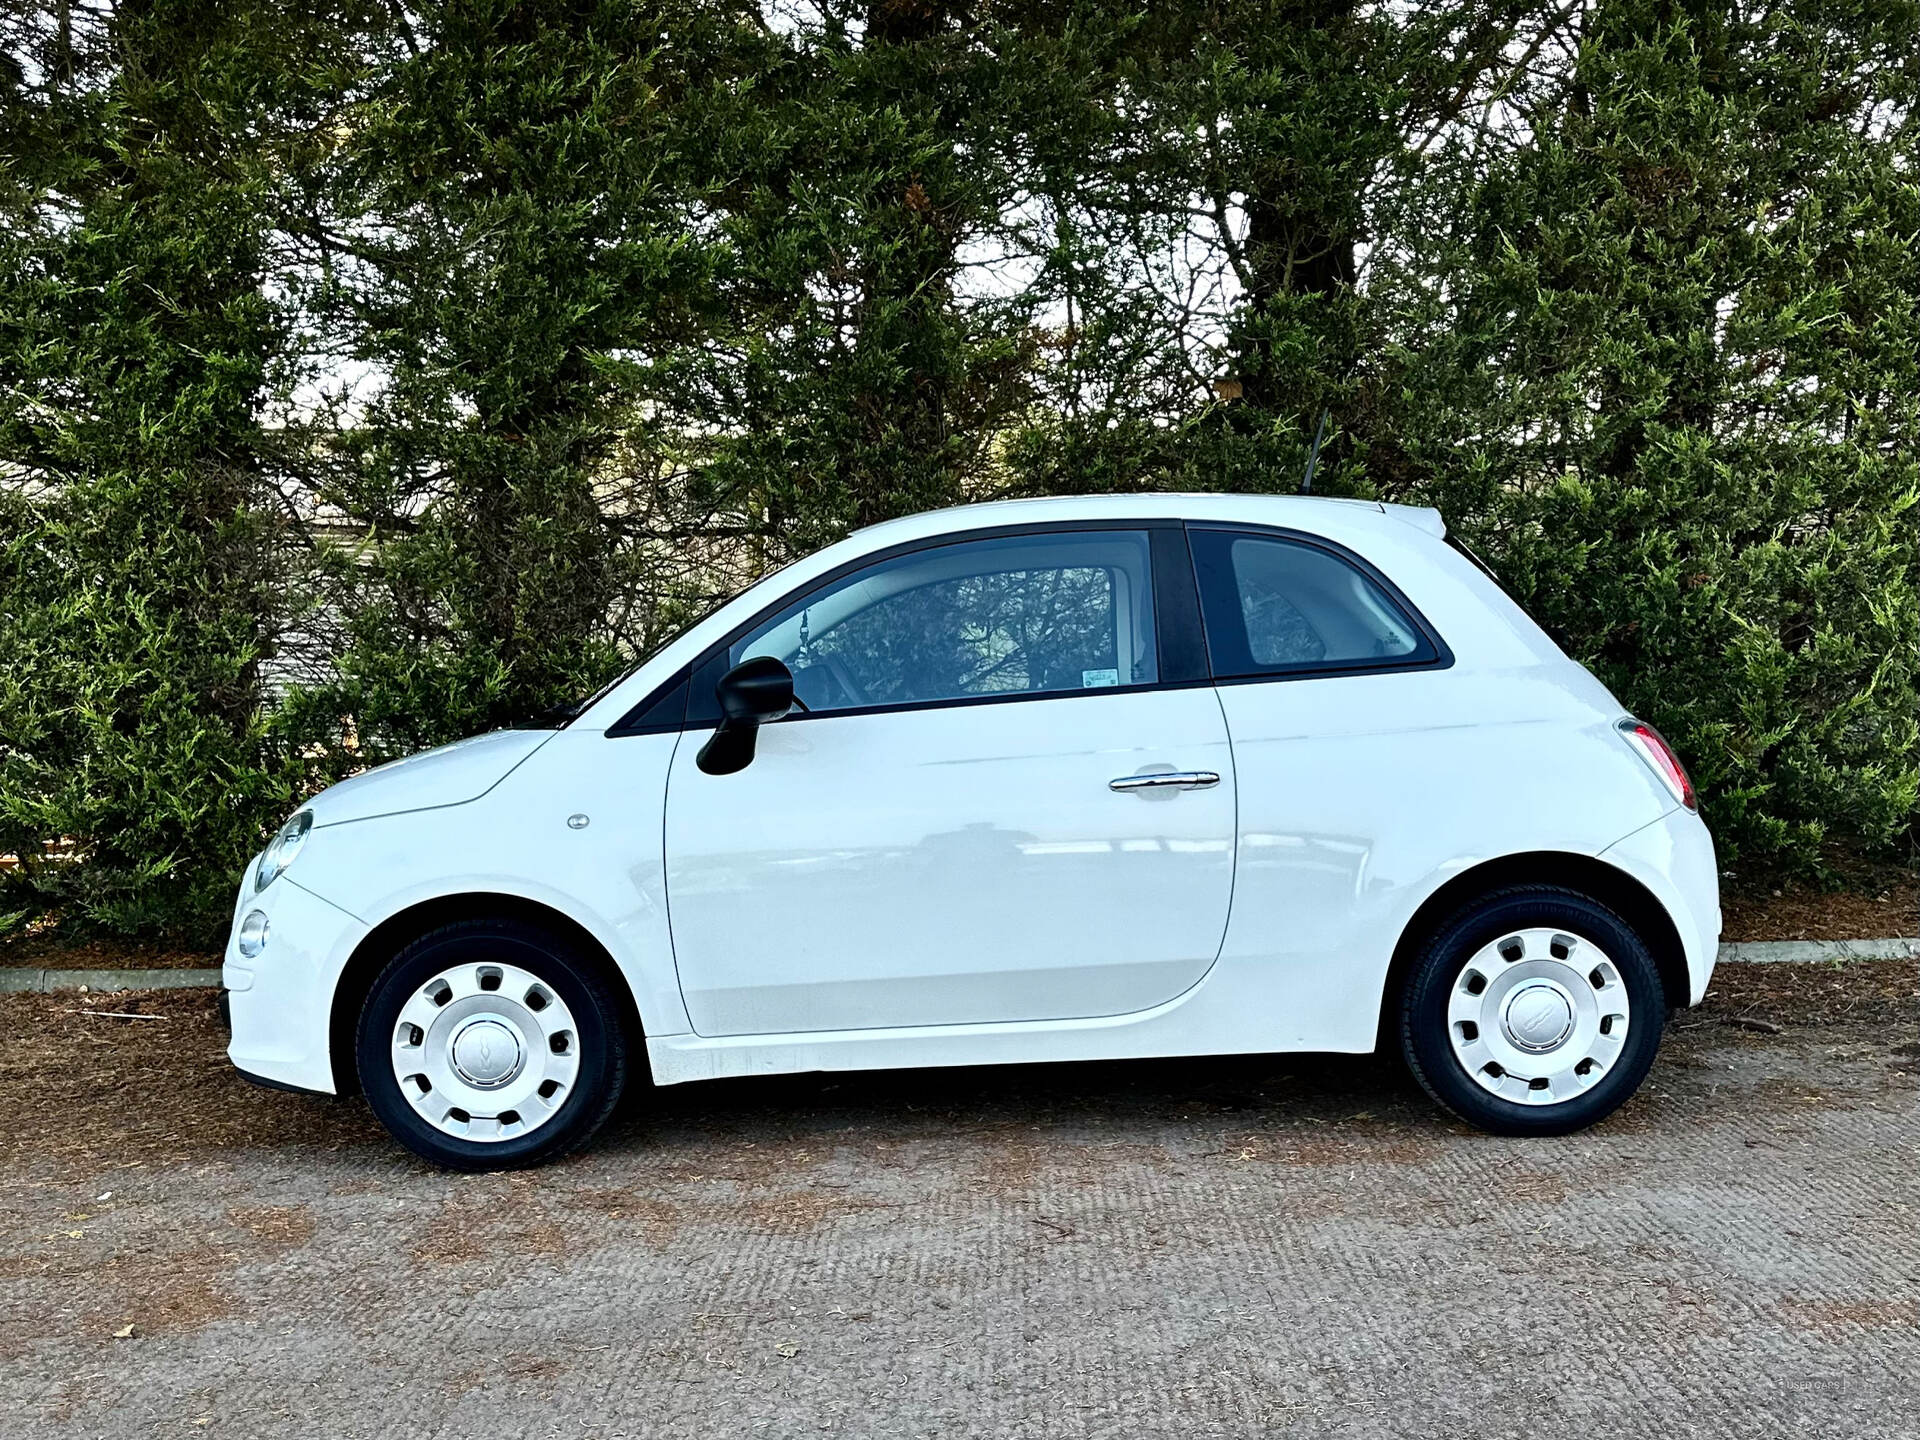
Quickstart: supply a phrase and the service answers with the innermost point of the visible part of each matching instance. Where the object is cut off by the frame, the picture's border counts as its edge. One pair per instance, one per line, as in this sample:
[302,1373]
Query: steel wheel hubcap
[486,1051]
[1538,1016]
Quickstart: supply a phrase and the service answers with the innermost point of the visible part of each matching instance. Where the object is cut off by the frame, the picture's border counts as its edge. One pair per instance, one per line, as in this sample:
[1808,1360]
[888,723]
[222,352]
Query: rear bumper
[280,1002]
[1673,857]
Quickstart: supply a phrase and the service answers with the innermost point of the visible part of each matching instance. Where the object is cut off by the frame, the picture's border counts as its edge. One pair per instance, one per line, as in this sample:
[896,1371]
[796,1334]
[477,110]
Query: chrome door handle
[1168,780]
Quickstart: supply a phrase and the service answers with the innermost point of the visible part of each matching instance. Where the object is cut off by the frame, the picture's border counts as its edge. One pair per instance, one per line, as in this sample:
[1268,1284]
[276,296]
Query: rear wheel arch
[1583,874]
[397,931]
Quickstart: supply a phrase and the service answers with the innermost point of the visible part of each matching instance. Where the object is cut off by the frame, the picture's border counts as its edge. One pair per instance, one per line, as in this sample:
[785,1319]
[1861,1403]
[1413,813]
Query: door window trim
[1439,654]
[1179,636]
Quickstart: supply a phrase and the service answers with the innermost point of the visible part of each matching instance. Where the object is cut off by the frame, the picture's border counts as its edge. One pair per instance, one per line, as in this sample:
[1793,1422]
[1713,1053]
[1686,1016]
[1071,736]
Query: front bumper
[1673,857]
[280,1002]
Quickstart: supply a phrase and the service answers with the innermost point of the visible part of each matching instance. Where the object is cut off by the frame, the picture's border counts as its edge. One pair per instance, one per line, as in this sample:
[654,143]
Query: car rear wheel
[491,1045]
[1533,1011]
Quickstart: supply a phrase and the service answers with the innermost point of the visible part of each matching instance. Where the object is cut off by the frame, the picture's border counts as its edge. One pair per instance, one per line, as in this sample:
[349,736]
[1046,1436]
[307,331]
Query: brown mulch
[1875,992]
[1793,910]
[54,952]
[92,1093]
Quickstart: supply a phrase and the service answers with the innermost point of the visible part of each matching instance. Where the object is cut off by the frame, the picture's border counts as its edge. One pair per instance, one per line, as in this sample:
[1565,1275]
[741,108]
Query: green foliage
[1686,372]
[507,233]
[372,376]
[869,385]
[136,541]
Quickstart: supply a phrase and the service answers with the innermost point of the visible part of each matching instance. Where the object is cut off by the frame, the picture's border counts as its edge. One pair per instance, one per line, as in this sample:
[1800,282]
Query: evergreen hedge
[369,376]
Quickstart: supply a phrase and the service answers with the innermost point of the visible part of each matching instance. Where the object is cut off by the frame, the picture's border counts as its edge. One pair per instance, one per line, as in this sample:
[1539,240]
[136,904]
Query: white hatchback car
[1045,780]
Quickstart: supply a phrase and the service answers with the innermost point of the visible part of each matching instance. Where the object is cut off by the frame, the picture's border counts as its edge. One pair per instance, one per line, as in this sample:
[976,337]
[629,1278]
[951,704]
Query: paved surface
[1241,1248]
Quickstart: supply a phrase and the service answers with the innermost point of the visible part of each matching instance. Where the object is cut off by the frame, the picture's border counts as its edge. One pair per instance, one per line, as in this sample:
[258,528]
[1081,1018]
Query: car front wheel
[491,1045]
[1534,1011]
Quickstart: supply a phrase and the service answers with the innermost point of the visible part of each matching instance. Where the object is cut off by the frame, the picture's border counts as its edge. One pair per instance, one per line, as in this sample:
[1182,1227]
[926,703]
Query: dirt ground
[1251,1247]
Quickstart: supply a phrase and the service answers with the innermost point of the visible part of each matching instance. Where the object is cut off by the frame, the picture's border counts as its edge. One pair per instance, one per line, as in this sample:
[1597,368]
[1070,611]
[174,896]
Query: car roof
[1306,512]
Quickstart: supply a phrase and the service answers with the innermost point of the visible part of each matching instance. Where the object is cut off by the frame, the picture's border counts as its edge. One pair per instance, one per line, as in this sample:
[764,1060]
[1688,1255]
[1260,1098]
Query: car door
[938,839]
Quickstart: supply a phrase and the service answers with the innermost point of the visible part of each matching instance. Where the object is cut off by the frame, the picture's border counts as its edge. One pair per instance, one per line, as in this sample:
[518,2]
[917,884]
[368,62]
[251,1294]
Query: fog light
[253,933]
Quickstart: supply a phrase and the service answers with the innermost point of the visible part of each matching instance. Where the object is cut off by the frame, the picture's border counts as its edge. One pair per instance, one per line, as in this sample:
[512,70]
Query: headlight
[279,854]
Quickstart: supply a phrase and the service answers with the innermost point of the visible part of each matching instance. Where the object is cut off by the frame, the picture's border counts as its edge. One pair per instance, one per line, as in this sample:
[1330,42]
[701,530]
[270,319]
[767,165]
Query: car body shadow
[1143,1096]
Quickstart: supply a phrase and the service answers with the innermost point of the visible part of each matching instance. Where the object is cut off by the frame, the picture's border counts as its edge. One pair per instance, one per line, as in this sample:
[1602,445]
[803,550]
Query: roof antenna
[1313,455]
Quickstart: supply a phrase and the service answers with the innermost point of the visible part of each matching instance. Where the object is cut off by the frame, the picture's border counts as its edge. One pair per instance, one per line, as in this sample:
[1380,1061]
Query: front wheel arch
[397,931]
[1596,879]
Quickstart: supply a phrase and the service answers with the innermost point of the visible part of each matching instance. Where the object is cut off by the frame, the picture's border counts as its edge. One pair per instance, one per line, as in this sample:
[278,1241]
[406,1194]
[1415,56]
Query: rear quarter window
[1279,606]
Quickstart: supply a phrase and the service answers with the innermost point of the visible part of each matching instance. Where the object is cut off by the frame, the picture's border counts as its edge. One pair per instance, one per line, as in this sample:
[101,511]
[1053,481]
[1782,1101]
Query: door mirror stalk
[755,692]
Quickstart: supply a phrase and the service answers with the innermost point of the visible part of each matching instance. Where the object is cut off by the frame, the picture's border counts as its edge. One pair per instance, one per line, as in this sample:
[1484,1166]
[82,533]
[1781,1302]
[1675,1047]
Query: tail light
[1654,749]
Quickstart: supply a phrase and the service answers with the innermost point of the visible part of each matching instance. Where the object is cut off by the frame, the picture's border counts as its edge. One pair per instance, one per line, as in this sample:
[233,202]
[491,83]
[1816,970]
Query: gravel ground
[1296,1245]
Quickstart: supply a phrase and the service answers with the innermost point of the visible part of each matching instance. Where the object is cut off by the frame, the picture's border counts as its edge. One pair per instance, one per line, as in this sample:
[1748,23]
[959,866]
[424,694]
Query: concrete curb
[1764,952]
[42,982]
[1752,952]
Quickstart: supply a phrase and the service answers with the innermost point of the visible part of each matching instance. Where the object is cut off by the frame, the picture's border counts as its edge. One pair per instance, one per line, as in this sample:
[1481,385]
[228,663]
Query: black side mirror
[755,692]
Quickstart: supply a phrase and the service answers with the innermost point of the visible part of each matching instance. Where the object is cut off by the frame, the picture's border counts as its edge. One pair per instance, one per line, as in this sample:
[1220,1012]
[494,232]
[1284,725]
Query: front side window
[1019,615]
[1274,606]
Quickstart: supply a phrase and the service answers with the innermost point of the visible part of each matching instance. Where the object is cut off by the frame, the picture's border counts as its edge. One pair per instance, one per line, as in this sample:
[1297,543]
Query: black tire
[577,979]
[1439,965]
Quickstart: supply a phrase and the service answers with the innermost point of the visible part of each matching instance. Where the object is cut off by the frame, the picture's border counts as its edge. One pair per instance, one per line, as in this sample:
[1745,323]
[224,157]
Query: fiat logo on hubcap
[1538,1017]
[486,1053]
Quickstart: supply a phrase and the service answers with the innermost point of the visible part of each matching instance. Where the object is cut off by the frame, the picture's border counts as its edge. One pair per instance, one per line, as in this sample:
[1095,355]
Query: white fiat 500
[1047,780]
